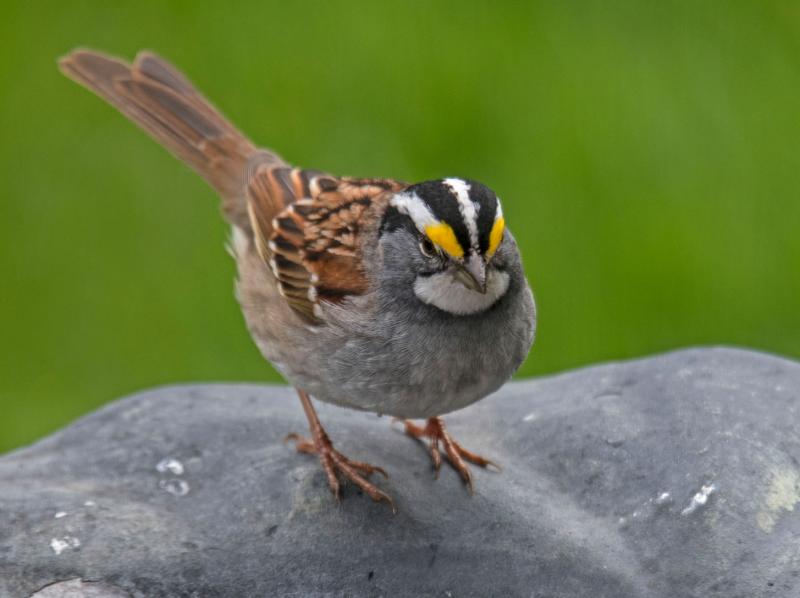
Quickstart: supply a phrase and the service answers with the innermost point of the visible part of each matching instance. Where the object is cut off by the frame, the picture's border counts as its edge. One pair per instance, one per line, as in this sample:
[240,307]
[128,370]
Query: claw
[456,454]
[334,462]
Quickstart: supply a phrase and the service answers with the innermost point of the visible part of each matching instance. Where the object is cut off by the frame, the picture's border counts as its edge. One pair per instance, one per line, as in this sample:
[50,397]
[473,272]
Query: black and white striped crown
[461,216]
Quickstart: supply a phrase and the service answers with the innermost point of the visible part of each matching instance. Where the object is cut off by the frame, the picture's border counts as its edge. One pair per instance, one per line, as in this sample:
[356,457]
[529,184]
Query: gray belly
[420,366]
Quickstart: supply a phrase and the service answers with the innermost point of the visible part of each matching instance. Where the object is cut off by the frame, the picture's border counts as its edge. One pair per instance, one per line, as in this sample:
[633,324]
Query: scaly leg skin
[332,460]
[435,431]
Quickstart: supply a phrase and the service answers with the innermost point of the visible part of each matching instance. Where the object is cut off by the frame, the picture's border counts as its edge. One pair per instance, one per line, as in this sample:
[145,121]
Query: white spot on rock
[60,514]
[699,499]
[170,465]
[59,545]
[90,503]
[530,417]
[174,486]
[663,498]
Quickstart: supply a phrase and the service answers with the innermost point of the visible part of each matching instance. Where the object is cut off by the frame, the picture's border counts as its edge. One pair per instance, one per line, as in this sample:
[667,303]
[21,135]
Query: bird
[406,300]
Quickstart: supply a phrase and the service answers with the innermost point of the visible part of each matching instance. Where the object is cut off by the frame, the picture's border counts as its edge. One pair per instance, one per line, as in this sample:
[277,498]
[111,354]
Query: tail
[162,101]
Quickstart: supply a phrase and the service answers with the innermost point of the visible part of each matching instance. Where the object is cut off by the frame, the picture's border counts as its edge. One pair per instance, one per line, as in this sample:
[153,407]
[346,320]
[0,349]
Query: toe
[475,458]
[366,468]
[293,436]
[349,471]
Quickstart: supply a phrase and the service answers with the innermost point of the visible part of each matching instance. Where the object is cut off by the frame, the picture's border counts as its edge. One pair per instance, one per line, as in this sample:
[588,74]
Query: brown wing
[312,244]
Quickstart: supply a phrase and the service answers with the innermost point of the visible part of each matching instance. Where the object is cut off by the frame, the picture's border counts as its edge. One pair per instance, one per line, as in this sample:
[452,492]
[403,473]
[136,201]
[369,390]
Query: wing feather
[313,245]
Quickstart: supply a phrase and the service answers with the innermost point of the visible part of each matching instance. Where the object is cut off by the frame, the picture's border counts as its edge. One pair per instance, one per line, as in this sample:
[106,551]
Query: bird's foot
[333,461]
[435,431]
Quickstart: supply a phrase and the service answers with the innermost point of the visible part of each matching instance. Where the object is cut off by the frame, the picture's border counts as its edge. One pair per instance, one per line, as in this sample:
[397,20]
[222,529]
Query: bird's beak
[472,273]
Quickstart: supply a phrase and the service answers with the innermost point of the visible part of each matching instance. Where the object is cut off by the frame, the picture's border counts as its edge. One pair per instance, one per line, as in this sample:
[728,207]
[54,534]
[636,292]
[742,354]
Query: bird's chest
[409,363]
[424,368]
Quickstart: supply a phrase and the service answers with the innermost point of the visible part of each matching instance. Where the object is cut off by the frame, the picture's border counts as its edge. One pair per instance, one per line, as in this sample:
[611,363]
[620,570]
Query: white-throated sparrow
[406,300]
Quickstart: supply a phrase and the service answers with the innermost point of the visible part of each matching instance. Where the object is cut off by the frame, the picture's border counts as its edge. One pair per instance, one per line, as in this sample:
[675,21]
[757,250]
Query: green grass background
[647,153]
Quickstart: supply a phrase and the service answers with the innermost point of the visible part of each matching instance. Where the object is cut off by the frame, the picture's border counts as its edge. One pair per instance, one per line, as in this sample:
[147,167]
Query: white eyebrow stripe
[412,206]
[467,208]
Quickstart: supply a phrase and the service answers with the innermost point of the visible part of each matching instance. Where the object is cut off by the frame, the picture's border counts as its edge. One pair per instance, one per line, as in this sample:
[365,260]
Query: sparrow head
[459,229]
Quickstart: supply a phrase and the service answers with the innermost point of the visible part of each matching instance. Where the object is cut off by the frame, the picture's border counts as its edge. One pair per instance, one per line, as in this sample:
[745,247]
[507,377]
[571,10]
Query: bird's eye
[427,248]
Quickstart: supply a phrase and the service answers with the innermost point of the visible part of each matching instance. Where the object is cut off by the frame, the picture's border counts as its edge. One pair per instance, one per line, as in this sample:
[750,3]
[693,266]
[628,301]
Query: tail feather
[162,101]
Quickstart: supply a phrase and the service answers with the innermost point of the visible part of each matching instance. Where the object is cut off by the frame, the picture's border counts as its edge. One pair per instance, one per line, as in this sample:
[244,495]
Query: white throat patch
[444,291]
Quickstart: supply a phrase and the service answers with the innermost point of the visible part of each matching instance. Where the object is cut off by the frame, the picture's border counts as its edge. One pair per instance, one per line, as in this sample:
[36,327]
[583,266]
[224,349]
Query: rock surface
[674,476]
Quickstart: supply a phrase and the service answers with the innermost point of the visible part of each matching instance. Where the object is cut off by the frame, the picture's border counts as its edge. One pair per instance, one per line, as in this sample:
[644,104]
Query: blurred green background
[648,157]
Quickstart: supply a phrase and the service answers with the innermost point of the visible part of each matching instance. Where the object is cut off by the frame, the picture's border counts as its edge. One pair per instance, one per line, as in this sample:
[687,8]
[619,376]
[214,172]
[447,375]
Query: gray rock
[673,476]
[77,588]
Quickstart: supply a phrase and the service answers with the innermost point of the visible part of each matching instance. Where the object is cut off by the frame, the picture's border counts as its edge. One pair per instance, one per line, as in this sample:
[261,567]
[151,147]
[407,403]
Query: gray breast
[400,357]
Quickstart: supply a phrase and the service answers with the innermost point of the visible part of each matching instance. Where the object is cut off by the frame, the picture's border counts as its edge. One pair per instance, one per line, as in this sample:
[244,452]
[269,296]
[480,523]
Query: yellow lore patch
[442,234]
[496,235]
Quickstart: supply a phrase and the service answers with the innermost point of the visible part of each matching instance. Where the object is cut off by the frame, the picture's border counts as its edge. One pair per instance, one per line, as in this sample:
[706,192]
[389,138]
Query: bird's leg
[332,460]
[435,431]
